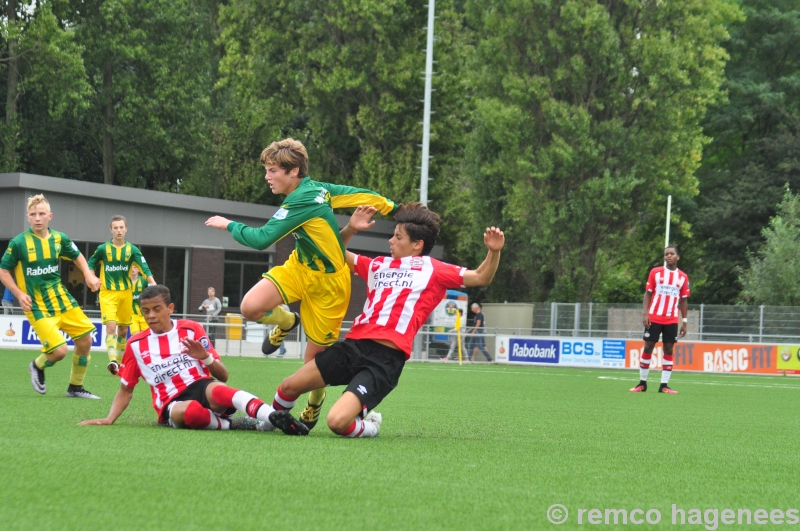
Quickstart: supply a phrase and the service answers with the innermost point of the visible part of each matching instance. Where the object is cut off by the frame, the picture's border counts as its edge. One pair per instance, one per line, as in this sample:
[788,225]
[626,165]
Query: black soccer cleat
[284,421]
[37,378]
[641,387]
[78,391]
[275,338]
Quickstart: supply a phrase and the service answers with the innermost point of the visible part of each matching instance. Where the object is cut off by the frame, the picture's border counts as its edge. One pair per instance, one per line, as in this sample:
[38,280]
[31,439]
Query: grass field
[471,447]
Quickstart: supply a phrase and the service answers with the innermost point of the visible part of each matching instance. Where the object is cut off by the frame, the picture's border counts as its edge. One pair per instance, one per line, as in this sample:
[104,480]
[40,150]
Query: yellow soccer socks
[80,364]
[111,346]
[278,316]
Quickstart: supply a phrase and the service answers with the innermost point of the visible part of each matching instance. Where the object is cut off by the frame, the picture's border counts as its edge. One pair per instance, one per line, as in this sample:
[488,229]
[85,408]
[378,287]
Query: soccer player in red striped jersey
[665,299]
[402,291]
[184,372]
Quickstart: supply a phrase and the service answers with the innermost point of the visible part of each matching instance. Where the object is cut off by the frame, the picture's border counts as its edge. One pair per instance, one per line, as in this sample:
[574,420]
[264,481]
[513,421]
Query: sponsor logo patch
[281,213]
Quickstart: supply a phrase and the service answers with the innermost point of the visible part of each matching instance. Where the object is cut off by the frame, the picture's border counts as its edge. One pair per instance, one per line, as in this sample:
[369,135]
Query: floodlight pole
[426,120]
[669,210]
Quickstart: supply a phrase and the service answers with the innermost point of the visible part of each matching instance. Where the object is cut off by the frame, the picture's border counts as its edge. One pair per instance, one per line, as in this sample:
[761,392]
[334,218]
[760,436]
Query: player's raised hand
[218,222]
[362,218]
[494,239]
[194,349]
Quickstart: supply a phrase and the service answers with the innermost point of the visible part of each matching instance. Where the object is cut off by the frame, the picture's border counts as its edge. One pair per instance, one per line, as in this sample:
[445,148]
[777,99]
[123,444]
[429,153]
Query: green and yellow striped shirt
[138,288]
[34,262]
[307,214]
[115,265]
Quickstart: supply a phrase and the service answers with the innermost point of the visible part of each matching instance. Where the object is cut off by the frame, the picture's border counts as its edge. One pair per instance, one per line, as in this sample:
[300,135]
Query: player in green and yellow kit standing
[115,258]
[36,282]
[316,273]
[138,322]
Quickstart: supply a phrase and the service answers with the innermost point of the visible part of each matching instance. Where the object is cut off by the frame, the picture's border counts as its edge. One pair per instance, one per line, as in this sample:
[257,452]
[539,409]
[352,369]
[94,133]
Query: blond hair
[288,154]
[36,199]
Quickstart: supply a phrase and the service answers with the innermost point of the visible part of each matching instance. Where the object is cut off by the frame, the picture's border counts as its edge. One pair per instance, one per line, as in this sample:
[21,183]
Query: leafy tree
[587,115]
[774,270]
[43,69]
[756,138]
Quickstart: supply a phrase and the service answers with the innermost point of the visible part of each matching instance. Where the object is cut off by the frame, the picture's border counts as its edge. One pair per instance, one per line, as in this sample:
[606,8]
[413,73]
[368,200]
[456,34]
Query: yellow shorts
[116,306]
[324,297]
[138,324]
[74,322]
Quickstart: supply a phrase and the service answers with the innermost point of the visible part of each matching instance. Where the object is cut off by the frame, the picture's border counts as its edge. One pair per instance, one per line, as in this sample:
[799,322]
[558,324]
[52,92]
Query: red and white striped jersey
[668,288]
[401,294]
[158,359]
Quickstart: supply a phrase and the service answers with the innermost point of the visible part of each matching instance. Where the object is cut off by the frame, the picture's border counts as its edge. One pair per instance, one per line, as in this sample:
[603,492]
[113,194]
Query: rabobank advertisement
[530,350]
[17,332]
[572,352]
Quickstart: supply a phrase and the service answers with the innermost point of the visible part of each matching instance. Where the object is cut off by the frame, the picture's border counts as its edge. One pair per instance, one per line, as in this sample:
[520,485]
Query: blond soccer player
[29,268]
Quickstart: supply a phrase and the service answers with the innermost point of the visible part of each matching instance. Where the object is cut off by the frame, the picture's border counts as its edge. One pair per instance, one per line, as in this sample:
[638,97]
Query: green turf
[472,447]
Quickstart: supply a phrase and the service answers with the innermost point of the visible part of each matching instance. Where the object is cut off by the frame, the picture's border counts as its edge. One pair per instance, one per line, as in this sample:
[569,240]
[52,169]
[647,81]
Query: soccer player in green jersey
[316,273]
[115,258]
[138,322]
[36,282]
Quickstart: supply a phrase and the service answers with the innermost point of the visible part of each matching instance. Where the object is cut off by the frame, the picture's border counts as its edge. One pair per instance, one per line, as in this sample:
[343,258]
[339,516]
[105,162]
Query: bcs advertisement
[564,352]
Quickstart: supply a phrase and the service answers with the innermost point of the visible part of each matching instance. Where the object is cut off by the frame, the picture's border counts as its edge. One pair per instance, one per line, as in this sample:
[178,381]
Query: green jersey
[138,288]
[115,265]
[34,262]
[307,214]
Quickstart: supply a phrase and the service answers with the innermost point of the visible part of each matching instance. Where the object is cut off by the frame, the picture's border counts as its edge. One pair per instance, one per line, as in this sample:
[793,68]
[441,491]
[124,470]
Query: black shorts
[370,370]
[668,332]
[195,391]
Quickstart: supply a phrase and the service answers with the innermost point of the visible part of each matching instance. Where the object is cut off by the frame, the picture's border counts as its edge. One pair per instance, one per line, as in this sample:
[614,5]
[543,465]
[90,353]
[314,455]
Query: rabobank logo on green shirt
[115,268]
[37,271]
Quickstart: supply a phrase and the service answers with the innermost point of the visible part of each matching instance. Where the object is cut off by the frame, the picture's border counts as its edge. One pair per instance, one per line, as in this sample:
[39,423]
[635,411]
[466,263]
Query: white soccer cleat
[375,418]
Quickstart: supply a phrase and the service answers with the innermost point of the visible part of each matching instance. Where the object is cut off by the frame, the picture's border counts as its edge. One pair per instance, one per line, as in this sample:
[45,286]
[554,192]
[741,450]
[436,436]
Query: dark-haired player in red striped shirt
[184,372]
[402,291]
[664,300]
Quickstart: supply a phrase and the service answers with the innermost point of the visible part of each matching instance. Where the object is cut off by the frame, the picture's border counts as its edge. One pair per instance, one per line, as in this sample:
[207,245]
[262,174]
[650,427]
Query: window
[243,270]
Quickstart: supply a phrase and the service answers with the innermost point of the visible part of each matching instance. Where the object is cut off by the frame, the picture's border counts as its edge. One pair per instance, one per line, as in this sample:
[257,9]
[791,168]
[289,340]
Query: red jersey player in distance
[177,360]
[402,291]
[665,298]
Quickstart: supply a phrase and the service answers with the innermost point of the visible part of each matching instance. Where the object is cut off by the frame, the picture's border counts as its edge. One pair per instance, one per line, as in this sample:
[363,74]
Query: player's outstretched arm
[360,220]
[120,404]
[494,239]
[24,299]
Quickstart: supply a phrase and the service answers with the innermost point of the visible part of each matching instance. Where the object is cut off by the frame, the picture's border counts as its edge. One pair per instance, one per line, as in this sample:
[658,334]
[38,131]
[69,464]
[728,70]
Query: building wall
[206,269]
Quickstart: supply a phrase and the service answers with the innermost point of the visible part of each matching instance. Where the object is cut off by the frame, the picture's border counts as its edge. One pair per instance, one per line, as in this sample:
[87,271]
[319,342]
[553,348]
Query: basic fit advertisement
[712,357]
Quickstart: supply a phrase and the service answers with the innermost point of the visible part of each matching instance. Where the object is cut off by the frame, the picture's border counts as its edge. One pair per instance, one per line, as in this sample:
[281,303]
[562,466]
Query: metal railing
[233,335]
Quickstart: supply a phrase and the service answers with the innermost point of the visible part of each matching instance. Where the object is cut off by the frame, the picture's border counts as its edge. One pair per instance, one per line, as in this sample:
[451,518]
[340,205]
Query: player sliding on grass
[176,359]
[315,273]
[33,257]
[402,291]
[115,258]
[664,298]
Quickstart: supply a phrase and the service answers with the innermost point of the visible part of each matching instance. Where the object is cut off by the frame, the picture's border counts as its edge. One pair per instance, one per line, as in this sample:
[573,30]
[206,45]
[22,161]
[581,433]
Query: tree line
[565,122]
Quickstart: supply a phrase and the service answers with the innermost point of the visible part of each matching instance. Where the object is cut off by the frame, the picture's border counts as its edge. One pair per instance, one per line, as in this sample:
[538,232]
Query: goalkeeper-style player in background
[115,258]
[316,273]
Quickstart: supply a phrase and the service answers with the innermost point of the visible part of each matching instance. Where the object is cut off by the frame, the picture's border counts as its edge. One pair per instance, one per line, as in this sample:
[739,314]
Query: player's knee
[59,353]
[290,387]
[338,422]
[84,343]
[195,416]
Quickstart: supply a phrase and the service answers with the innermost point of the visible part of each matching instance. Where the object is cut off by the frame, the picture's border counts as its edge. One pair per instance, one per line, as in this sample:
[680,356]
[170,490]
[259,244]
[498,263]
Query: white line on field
[711,383]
